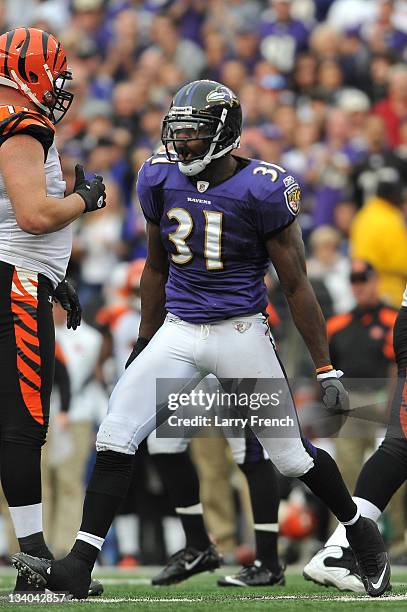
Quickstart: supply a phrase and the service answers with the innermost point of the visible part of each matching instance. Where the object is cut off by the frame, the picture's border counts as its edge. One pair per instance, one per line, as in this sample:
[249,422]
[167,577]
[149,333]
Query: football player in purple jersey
[214,222]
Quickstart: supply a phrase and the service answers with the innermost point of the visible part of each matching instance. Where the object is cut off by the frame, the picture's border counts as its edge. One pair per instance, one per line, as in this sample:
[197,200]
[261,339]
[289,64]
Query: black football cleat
[256,575]
[371,556]
[69,575]
[186,563]
[22,586]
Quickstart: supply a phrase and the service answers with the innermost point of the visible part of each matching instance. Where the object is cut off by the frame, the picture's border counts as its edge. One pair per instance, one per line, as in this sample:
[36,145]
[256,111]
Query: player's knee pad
[292,462]
[166,446]
[118,434]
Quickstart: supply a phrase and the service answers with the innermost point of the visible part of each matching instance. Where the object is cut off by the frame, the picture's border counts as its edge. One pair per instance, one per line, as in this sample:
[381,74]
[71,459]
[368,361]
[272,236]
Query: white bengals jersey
[47,253]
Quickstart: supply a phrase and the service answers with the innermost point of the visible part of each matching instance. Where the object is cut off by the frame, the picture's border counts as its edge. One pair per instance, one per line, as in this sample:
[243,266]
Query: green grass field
[126,590]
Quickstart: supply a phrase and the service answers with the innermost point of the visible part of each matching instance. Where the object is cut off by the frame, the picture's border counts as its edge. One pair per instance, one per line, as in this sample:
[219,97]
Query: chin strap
[199,165]
[27,92]
[195,167]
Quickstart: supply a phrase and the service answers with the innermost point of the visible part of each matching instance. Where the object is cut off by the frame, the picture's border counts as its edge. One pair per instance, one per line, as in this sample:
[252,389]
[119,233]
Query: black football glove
[66,295]
[93,192]
[334,395]
[138,347]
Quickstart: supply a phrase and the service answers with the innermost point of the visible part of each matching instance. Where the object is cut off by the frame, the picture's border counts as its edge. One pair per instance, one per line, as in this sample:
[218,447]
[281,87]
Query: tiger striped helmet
[34,62]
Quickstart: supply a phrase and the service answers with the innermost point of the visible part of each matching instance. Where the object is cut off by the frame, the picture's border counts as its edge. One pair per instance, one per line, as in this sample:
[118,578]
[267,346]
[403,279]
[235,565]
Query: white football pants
[183,354]
[242,449]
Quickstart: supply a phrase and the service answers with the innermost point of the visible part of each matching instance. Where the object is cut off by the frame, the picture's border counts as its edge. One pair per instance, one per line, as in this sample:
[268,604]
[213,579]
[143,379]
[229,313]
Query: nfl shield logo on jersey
[289,180]
[242,326]
[202,186]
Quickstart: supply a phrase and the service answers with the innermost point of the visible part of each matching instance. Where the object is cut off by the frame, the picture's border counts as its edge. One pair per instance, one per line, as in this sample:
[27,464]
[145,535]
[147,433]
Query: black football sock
[21,481]
[325,481]
[181,481]
[20,468]
[381,476]
[106,490]
[34,545]
[265,499]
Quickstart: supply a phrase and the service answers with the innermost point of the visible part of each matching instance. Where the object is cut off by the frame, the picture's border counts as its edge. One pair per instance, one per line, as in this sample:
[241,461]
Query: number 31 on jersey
[213,235]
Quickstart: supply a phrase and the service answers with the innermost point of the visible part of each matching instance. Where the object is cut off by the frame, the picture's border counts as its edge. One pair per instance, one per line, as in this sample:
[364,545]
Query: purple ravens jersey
[215,238]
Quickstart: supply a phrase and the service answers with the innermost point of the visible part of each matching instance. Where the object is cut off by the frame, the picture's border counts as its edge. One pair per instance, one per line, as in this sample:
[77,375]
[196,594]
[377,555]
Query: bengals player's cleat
[23,586]
[69,575]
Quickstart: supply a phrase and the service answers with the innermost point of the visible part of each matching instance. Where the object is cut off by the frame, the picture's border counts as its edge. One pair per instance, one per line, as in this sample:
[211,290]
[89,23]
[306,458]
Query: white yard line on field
[109,600]
[234,598]
[316,598]
[128,581]
[352,598]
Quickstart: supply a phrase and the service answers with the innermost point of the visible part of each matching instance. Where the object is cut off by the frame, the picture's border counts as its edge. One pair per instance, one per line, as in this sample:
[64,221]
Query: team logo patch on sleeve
[292,197]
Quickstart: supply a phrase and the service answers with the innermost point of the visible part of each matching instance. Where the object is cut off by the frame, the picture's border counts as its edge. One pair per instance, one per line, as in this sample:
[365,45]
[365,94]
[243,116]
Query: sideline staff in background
[361,343]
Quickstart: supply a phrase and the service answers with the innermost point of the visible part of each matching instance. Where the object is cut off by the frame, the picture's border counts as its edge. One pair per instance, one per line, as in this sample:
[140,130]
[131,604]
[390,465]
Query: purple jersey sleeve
[149,192]
[275,208]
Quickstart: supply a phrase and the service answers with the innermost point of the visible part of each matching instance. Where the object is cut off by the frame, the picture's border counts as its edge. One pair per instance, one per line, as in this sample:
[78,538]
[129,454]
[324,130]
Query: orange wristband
[324,369]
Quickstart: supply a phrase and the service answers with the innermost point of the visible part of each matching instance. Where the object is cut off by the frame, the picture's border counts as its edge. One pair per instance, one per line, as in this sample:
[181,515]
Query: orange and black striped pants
[386,470]
[395,441]
[27,351]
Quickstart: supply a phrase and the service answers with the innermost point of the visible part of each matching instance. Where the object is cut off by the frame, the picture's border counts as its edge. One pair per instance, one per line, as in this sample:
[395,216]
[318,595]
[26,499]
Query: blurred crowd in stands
[323,86]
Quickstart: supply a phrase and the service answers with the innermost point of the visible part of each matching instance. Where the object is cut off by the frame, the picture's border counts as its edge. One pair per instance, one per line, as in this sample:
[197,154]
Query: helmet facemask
[204,127]
[60,98]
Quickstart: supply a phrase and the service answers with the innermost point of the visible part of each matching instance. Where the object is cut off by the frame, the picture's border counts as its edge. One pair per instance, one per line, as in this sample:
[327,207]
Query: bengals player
[381,476]
[35,246]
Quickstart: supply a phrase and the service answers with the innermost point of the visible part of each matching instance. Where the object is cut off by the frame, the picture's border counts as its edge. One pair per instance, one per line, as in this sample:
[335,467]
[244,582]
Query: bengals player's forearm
[152,284]
[286,251]
[22,168]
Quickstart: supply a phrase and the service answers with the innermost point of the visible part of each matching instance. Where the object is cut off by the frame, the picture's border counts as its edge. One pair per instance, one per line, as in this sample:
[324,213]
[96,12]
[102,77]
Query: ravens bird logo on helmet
[206,111]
